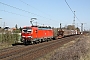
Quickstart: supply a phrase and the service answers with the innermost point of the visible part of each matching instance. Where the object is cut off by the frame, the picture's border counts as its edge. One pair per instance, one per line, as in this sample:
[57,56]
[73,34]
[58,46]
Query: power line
[16,8]
[30,6]
[22,10]
[27,4]
[36,9]
[72,11]
[69,7]
[19,15]
[14,13]
[76,17]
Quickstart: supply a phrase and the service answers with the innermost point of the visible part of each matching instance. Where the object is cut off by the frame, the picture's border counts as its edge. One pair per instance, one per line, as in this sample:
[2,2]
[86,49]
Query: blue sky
[47,12]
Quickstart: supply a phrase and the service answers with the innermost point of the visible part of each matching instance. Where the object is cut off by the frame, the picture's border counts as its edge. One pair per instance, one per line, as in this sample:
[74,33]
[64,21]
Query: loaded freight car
[70,32]
[33,34]
[58,33]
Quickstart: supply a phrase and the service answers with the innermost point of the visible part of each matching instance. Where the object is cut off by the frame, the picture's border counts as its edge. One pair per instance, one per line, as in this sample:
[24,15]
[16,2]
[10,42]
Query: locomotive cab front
[26,34]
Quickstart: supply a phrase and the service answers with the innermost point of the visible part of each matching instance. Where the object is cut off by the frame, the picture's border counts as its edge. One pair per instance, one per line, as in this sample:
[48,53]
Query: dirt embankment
[74,50]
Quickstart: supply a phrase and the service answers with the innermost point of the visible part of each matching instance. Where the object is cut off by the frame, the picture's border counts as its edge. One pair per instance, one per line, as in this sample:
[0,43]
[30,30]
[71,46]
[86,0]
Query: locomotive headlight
[27,36]
[23,36]
[30,36]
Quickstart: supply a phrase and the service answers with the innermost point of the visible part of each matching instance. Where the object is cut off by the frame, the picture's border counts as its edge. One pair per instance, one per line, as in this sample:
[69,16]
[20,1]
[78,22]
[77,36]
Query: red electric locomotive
[33,34]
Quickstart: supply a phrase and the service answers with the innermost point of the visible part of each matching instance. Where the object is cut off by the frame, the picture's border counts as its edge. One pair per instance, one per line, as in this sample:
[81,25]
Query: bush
[9,37]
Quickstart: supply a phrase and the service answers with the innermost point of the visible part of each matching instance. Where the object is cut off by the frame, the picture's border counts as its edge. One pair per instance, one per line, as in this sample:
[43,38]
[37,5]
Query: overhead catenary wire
[40,11]
[22,10]
[16,8]
[14,13]
[72,10]
[69,7]
[76,17]
[36,9]
[19,15]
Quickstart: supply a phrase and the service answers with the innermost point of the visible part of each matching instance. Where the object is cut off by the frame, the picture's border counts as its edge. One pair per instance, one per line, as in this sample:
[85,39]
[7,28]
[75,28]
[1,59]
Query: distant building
[6,28]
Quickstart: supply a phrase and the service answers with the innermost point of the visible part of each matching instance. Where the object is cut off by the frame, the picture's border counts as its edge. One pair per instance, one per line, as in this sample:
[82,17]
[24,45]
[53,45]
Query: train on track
[36,34]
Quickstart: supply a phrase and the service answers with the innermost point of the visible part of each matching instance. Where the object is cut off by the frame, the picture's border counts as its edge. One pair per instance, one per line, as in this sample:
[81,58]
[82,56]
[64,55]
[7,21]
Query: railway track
[33,52]
[11,48]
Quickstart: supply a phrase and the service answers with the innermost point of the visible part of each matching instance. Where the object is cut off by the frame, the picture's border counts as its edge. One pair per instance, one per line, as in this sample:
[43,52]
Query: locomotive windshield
[25,30]
[29,30]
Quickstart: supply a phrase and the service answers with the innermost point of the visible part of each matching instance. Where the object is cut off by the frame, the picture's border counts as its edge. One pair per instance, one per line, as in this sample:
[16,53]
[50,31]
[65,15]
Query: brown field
[74,50]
